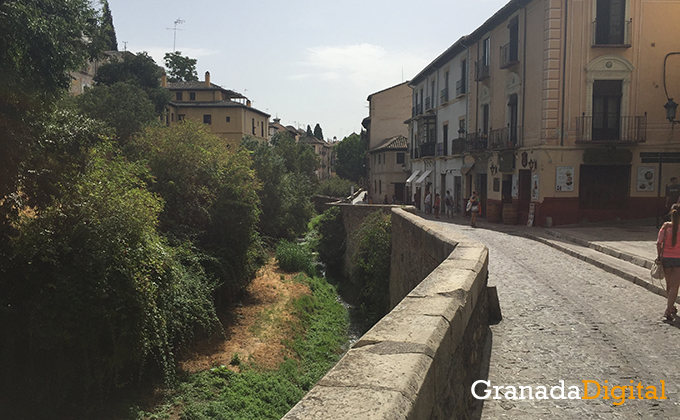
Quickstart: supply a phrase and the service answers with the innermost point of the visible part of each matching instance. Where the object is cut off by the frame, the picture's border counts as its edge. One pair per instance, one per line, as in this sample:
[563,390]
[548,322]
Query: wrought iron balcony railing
[445,95]
[611,129]
[457,146]
[505,138]
[509,55]
[429,103]
[427,149]
[476,142]
[608,34]
[482,70]
[461,87]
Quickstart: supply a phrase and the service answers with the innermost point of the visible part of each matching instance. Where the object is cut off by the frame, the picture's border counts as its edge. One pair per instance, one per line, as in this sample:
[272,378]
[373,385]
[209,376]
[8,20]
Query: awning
[466,168]
[412,177]
[423,176]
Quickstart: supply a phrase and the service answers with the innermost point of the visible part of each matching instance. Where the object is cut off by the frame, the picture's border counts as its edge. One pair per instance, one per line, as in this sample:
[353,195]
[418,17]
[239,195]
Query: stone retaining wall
[420,360]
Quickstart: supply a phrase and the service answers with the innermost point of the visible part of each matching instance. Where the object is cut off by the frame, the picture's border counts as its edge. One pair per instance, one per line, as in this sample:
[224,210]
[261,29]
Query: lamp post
[671,110]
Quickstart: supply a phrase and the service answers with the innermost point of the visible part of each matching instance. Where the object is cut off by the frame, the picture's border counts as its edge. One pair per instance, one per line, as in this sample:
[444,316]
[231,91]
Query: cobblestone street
[564,319]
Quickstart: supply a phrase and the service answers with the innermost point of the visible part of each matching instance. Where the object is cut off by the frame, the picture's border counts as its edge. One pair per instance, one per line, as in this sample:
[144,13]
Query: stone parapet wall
[420,360]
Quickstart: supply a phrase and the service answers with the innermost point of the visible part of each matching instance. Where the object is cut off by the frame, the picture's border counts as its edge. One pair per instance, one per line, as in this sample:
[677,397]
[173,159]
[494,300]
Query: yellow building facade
[227,113]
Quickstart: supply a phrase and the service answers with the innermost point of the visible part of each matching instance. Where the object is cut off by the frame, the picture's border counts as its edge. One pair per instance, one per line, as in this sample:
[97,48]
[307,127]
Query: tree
[286,171]
[318,133]
[211,200]
[138,69]
[123,106]
[180,68]
[107,27]
[350,155]
[309,131]
[43,41]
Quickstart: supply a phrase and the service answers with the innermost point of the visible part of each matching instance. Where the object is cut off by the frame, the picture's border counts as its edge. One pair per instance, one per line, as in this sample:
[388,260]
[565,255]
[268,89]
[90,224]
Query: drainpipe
[524,73]
[564,69]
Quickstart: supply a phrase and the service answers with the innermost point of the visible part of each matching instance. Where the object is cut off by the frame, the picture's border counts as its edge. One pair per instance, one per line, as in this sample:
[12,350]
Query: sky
[303,61]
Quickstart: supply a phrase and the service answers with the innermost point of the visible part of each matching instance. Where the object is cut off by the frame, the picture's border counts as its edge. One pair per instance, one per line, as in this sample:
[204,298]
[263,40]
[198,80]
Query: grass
[319,329]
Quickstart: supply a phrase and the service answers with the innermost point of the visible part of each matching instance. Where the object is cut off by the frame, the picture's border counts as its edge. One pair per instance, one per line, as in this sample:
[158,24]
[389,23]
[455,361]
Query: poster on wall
[646,177]
[515,186]
[564,179]
[534,187]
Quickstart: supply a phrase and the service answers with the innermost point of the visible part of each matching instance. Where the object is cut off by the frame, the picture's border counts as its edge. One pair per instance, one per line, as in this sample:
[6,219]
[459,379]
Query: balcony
[476,142]
[482,70]
[509,55]
[442,149]
[427,149]
[612,34]
[507,138]
[429,103]
[611,129]
[461,87]
[457,146]
[445,95]
[417,110]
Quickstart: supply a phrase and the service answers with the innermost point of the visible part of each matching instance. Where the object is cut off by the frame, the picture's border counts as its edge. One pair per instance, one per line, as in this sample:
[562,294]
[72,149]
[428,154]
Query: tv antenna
[175,29]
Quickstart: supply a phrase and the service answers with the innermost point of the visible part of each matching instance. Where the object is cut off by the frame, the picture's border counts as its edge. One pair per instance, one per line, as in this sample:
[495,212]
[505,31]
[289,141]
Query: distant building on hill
[229,114]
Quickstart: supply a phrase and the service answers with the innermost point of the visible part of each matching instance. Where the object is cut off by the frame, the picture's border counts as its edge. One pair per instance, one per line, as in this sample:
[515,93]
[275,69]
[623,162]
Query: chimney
[207,79]
[164,80]
[248,102]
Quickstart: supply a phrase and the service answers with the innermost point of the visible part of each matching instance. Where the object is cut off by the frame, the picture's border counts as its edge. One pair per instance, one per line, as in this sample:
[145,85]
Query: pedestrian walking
[672,192]
[474,208]
[428,202]
[437,206]
[448,202]
[668,252]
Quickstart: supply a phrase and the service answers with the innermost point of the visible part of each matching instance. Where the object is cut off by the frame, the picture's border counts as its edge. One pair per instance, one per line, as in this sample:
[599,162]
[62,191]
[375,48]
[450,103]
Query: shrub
[335,187]
[294,258]
[90,294]
[372,260]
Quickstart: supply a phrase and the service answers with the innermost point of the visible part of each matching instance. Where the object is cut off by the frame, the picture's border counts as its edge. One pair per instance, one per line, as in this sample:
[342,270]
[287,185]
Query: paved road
[565,319]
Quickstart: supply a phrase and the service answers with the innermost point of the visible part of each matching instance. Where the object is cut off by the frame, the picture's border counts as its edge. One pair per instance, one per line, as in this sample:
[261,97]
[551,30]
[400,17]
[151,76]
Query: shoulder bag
[657,267]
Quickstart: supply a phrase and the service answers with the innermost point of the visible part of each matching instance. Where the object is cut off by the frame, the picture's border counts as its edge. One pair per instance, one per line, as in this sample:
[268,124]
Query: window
[172,117]
[513,117]
[461,128]
[606,109]
[400,158]
[485,119]
[445,139]
[192,96]
[461,85]
[253,126]
[180,117]
[178,96]
[262,129]
[510,51]
[228,119]
[207,119]
[610,26]
[486,51]
[445,92]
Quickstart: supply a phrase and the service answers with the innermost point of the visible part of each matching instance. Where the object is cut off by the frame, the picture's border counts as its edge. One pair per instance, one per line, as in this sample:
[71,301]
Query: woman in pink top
[668,251]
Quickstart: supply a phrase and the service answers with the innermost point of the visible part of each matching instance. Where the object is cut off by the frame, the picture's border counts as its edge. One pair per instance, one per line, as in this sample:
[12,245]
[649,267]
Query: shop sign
[646,178]
[564,178]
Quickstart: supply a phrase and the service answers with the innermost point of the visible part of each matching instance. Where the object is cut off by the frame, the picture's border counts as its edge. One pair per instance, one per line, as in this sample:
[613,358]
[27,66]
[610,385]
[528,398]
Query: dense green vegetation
[292,257]
[120,238]
[286,170]
[335,187]
[372,260]
[350,158]
[368,283]
[254,393]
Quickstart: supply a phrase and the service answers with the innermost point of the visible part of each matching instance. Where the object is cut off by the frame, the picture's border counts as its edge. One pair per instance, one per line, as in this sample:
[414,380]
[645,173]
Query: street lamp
[671,109]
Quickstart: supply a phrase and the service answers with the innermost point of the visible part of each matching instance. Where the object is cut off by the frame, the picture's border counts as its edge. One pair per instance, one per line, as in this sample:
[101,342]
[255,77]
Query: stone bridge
[420,360]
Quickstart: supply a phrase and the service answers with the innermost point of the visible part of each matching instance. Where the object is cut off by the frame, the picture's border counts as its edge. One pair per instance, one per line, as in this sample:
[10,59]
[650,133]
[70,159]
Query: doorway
[524,194]
[481,189]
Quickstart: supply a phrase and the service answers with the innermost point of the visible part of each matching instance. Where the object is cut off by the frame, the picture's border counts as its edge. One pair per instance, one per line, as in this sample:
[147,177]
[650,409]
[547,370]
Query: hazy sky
[304,61]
